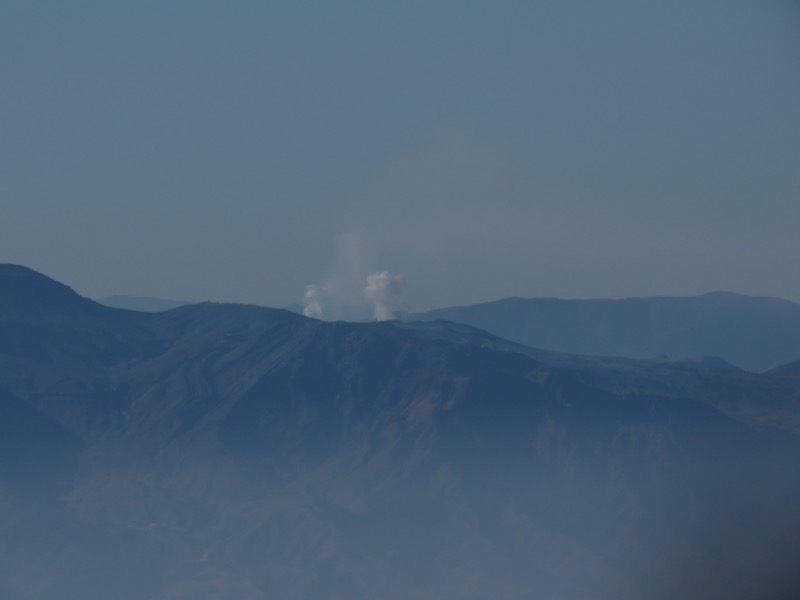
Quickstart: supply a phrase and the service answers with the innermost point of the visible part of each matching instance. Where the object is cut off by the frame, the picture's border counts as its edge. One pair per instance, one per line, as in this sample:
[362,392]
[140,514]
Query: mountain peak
[23,290]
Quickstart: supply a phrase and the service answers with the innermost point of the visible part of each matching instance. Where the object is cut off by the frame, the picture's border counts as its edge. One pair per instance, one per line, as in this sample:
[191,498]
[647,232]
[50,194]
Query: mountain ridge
[235,450]
[756,333]
[23,290]
[753,332]
[141,303]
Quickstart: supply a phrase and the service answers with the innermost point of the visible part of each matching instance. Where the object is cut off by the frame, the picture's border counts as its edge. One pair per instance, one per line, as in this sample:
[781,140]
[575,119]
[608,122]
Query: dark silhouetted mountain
[141,303]
[26,292]
[230,451]
[754,333]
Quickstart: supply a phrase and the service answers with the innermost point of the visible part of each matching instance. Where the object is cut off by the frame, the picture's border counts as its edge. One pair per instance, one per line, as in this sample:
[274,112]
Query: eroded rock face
[232,451]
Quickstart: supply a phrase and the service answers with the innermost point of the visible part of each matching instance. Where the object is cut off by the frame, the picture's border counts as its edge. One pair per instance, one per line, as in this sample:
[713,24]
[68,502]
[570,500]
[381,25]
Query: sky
[241,151]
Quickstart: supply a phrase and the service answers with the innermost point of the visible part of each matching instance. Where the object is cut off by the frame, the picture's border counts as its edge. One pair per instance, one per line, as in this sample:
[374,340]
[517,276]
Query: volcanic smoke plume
[313,302]
[343,294]
[379,299]
[383,292]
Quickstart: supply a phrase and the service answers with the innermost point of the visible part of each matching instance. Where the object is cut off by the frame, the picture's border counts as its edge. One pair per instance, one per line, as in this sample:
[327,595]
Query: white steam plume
[339,293]
[343,294]
[313,302]
[383,292]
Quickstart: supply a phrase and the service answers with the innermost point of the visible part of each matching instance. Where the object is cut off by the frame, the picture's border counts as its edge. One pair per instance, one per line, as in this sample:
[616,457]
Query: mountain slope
[236,451]
[754,333]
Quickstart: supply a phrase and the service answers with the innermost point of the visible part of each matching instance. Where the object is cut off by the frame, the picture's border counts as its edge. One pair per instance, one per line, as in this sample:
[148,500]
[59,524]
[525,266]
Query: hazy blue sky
[225,150]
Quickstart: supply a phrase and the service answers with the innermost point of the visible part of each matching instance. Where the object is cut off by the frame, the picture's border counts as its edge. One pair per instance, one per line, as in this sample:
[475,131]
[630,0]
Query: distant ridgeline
[753,333]
[142,303]
[228,451]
